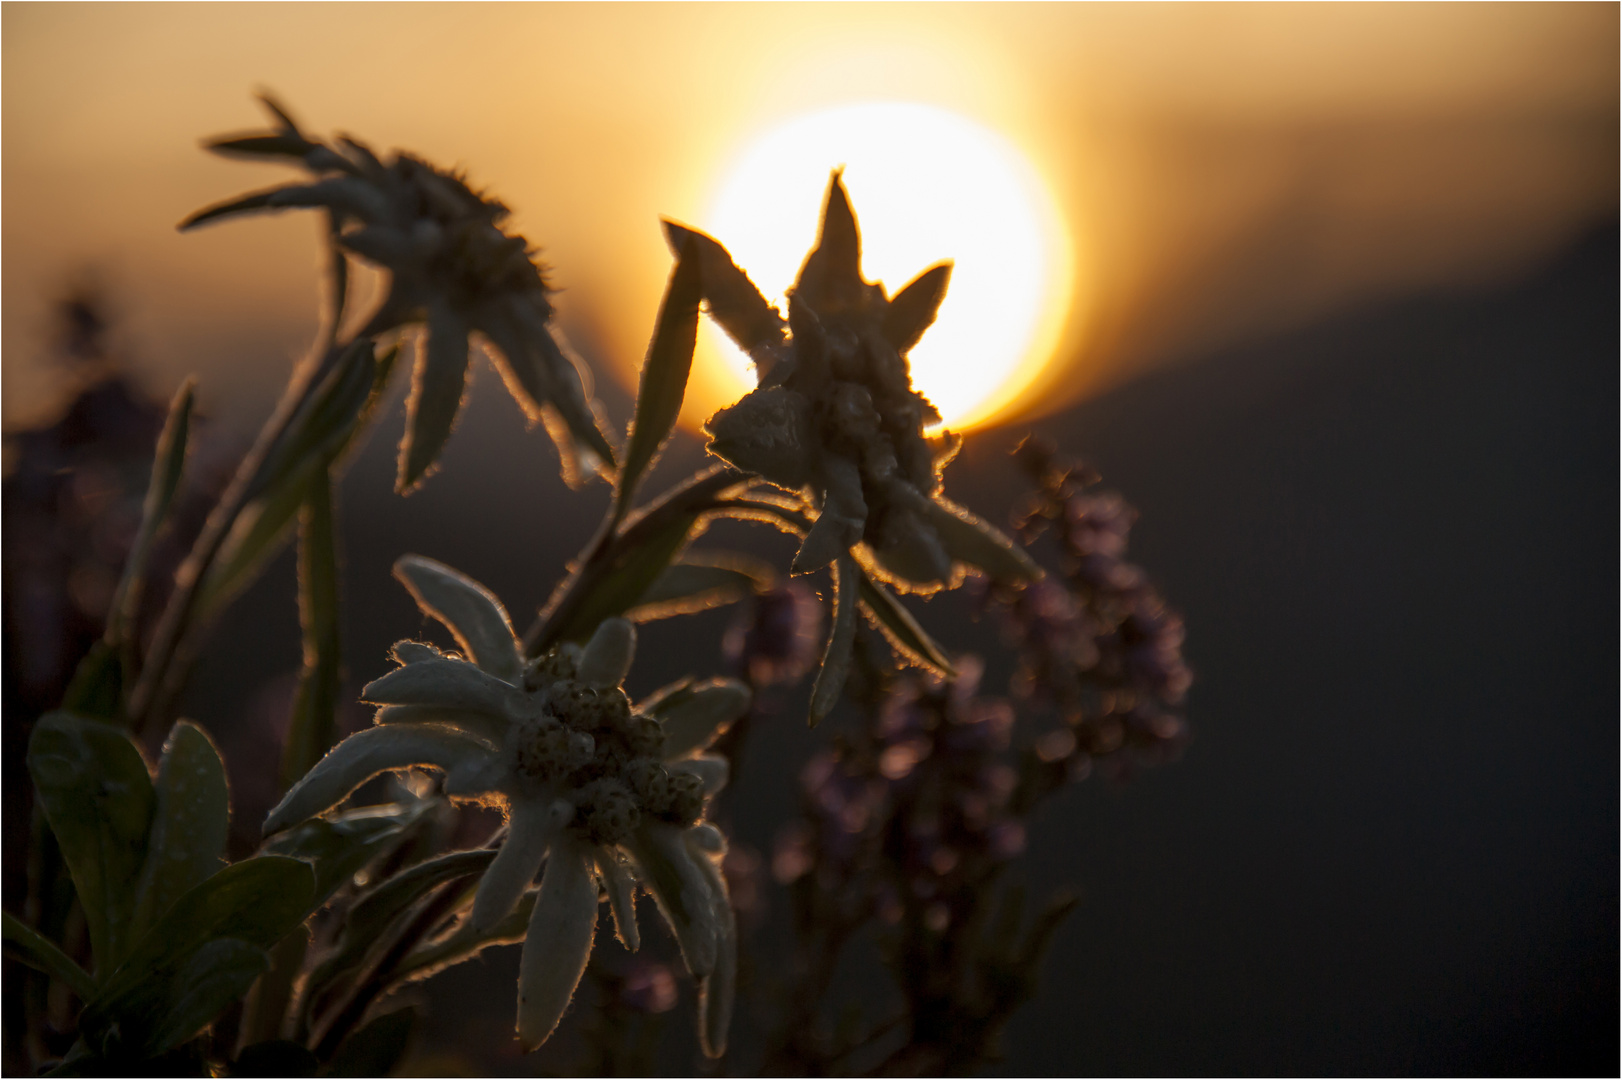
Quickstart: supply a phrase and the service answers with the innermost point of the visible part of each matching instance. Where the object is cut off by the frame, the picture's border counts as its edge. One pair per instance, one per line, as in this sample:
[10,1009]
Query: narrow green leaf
[701,580]
[900,628]
[97,795]
[278,112]
[841,640]
[622,579]
[664,374]
[314,724]
[264,1013]
[342,845]
[27,945]
[256,901]
[376,911]
[732,299]
[377,1048]
[465,943]
[189,825]
[168,462]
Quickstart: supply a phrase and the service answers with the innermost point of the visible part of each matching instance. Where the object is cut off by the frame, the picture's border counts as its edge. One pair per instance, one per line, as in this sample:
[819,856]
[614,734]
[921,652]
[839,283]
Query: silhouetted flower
[836,414]
[593,788]
[452,266]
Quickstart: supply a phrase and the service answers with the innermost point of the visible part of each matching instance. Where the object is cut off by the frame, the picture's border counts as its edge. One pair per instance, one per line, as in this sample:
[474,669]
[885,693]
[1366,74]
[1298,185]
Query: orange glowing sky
[1223,170]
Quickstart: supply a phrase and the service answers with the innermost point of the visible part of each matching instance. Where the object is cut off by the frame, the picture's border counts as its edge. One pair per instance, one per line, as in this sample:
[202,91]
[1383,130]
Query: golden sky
[1226,170]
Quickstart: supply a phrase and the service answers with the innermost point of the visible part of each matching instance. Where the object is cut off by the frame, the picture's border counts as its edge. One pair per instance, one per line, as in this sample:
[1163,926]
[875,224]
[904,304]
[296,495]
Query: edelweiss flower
[835,412]
[599,791]
[451,266]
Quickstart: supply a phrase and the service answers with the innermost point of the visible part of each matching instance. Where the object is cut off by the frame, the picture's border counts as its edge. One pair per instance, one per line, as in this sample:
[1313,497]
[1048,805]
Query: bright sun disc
[926,185]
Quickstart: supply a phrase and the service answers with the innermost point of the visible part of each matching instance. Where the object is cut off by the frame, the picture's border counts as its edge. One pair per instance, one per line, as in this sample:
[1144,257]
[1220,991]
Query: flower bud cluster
[928,795]
[1100,644]
[589,747]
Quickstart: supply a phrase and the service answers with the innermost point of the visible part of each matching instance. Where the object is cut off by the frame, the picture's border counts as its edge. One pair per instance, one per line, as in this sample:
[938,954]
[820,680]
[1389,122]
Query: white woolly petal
[694,721]
[608,654]
[468,609]
[448,683]
[410,652]
[530,831]
[711,769]
[621,887]
[717,990]
[365,754]
[492,729]
[667,870]
[558,944]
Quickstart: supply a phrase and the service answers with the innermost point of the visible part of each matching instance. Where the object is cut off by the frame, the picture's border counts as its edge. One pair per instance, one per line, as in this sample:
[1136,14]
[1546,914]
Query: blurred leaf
[96,690]
[341,845]
[278,112]
[841,639]
[275,1057]
[254,902]
[25,944]
[338,406]
[189,824]
[664,374]
[314,723]
[733,300]
[245,204]
[97,795]
[276,146]
[913,308]
[464,943]
[168,462]
[701,580]
[376,911]
[215,977]
[570,403]
[378,1048]
[900,628]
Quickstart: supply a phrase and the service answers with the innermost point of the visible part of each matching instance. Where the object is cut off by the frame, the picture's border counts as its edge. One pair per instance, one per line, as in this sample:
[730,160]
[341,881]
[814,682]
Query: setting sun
[927,185]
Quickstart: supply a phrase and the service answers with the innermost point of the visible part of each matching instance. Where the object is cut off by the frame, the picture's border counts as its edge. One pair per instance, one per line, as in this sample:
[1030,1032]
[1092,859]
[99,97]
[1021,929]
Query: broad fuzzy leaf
[26,944]
[189,826]
[314,724]
[98,798]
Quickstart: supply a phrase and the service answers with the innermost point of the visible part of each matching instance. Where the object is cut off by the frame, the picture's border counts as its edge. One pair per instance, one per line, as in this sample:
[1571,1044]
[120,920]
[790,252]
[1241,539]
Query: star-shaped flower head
[452,266]
[835,413]
[599,792]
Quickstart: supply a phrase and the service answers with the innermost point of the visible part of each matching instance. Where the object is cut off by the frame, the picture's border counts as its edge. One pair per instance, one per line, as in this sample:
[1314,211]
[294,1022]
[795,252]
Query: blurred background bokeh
[1343,326]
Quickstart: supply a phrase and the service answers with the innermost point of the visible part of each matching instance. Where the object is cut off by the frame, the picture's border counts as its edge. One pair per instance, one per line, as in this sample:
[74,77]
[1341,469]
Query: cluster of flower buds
[1099,644]
[916,813]
[835,413]
[452,266]
[601,793]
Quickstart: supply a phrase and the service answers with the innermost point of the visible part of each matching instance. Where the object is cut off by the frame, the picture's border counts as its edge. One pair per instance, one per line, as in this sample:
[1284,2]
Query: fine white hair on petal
[410,652]
[468,609]
[492,729]
[608,654]
[530,832]
[365,754]
[558,943]
[667,869]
